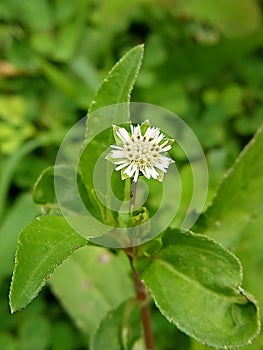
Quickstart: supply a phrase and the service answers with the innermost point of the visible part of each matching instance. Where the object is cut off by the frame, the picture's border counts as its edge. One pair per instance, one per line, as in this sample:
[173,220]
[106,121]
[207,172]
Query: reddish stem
[142,296]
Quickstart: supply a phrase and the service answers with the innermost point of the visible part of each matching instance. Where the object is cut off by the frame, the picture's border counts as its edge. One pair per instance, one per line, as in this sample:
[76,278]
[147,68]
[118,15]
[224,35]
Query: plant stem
[142,297]
[142,294]
[132,195]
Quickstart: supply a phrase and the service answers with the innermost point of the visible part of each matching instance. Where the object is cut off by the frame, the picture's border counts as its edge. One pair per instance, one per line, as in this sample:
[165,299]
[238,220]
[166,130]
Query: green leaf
[59,182]
[118,84]
[119,329]
[238,202]
[249,250]
[23,210]
[42,246]
[90,283]
[115,89]
[196,284]
[235,216]
[44,191]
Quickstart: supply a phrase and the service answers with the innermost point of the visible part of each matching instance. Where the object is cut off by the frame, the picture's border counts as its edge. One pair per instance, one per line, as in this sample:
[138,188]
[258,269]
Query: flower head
[140,152]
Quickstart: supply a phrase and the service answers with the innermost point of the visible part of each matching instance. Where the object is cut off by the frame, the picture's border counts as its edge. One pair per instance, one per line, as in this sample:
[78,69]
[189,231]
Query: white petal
[165,149]
[167,160]
[147,133]
[144,148]
[160,167]
[123,161]
[156,132]
[137,131]
[151,133]
[121,166]
[123,134]
[164,143]
[136,175]
[153,172]
[162,163]
[146,172]
[130,170]
[159,138]
[118,154]
[116,147]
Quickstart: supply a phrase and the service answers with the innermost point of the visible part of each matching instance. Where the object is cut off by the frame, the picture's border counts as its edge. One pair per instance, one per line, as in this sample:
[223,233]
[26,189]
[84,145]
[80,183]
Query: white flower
[140,152]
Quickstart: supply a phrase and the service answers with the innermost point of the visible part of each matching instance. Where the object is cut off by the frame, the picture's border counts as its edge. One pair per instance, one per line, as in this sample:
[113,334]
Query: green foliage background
[203,61]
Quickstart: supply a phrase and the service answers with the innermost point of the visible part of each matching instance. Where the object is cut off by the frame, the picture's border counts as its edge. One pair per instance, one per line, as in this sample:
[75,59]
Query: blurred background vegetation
[203,61]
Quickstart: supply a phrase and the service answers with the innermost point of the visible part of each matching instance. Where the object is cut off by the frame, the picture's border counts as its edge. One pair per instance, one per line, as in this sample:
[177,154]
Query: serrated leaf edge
[106,80]
[13,309]
[240,290]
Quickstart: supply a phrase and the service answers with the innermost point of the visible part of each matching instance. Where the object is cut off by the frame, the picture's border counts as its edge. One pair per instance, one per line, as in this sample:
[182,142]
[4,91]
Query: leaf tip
[12,310]
[12,307]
